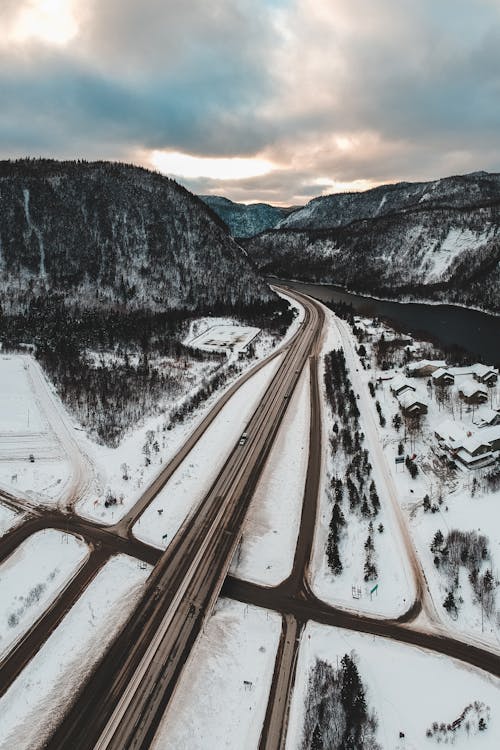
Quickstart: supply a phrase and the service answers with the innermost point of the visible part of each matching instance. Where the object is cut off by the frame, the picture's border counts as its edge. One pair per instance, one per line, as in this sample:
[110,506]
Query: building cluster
[473,445]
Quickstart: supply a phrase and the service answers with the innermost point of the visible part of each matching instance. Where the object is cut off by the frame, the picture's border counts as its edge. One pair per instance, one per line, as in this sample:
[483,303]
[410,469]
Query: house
[481,373]
[424,367]
[492,435]
[400,385]
[485,374]
[451,435]
[486,417]
[475,453]
[443,377]
[411,405]
[473,394]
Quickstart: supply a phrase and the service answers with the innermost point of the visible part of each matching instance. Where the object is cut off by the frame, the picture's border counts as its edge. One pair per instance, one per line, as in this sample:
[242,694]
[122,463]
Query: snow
[460,507]
[212,708]
[271,528]
[109,461]
[395,584]
[409,688]
[19,410]
[480,513]
[43,481]
[223,338]
[8,519]
[456,242]
[38,698]
[25,431]
[193,478]
[32,577]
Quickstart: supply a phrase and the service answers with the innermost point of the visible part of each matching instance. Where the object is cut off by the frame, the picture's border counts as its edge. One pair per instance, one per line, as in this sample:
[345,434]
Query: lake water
[476,332]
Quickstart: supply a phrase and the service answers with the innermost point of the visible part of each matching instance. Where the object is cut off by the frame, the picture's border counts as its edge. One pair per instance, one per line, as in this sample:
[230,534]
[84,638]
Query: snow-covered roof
[425,363]
[409,399]
[491,434]
[482,370]
[466,457]
[474,442]
[485,416]
[475,369]
[471,388]
[451,431]
[441,371]
[399,382]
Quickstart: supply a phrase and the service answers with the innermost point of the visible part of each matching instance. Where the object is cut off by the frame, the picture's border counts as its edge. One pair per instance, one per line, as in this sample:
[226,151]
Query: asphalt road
[124,700]
[122,704]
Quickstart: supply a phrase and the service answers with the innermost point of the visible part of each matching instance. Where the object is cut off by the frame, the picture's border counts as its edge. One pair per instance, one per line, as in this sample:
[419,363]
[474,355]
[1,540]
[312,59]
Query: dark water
[476,332]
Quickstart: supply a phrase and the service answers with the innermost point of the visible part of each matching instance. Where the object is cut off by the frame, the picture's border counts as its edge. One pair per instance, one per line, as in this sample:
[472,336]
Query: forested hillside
[102,234]
[245,220]
[446,247]
[101,266]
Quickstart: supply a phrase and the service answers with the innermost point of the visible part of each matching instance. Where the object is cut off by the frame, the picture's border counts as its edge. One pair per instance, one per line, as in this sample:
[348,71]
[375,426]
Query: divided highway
[125,698]
[122,704]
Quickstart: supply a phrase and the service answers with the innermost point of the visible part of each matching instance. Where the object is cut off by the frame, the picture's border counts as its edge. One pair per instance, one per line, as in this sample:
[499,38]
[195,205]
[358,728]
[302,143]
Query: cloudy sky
[274,100]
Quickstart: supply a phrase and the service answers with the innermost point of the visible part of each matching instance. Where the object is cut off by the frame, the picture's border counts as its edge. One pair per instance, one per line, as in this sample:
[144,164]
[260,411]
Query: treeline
[336,711]
[358,489]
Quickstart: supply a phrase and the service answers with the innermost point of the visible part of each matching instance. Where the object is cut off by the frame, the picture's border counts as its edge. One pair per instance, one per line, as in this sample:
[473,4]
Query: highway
[122,704]
[125,698]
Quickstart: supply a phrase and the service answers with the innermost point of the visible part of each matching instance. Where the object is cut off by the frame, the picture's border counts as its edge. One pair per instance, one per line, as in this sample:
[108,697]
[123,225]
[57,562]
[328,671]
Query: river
[476,332]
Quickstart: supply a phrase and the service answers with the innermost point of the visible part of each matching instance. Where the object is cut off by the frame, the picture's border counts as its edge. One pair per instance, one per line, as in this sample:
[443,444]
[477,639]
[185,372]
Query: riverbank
[449,326]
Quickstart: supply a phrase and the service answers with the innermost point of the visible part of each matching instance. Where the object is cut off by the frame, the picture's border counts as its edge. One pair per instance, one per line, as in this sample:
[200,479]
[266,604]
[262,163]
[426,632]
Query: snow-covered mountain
[245,220]
[102,234]
[340,209]
[437,240]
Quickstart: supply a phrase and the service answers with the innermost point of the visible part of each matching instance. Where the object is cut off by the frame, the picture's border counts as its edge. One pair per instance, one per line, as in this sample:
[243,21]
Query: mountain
[341,209]
[106,235]
[436,240]
[245,220]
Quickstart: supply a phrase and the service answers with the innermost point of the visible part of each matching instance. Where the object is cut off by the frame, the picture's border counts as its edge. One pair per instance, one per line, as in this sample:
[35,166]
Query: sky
[257,100]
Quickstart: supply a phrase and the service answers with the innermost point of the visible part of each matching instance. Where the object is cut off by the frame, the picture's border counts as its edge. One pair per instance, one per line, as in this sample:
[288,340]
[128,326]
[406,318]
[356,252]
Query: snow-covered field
[8,518]
[481,514]
[43,480]
[408,688]
[224,338]
[32,577]
[214,707]
[190,482]
[36,701]
[395,584]
[267,549]
[19,411]
[32,459]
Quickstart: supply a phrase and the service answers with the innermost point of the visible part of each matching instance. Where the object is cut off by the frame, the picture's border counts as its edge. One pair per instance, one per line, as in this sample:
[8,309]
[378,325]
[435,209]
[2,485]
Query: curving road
[122,703]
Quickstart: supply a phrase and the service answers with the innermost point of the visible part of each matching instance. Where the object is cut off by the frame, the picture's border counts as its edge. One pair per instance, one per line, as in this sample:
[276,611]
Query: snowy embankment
[39,697]
[32,577]
[349,589]
[32,460]
[192,479]
[408,688]
[267,548]
[123,471]
[222,696]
